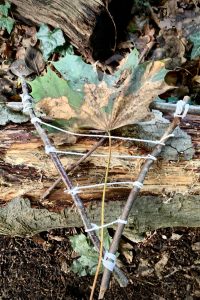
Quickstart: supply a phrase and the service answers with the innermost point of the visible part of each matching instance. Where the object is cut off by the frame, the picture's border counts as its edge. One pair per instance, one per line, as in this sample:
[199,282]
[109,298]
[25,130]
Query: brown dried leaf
[34,60]
[108,108]
[57,108]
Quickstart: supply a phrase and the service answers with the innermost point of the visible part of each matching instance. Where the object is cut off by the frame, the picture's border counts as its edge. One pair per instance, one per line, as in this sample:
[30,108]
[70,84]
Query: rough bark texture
[148,213]
[87,24]
[170,196]
[27,171]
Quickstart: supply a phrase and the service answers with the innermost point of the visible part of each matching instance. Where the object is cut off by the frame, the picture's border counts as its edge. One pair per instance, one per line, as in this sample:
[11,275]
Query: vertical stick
[102,222]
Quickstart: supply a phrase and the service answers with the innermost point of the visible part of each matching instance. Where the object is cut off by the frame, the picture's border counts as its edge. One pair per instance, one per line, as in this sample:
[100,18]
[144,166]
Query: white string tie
[35,120]
[49,149]
[167,137]
[26,98]
[26,102]
[73,191]
[151,157]
[103,155]
[122,221]
[109,261]
[101,135]
[96,227]
[181,109]
[79,189]
[138,184]
[26,107]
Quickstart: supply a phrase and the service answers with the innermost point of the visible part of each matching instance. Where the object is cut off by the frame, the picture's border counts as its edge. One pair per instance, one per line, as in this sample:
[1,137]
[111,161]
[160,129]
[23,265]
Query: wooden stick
[131,199]
[170,107]
[121,278]
[72,167]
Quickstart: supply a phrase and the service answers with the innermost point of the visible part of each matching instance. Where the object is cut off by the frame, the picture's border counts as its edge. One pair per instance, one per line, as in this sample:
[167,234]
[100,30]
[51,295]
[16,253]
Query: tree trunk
[88,24]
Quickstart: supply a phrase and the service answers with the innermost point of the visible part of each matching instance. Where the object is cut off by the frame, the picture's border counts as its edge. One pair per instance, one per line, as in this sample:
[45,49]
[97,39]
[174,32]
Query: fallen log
[90,26]
[27,171]
[149,213]
[169,197]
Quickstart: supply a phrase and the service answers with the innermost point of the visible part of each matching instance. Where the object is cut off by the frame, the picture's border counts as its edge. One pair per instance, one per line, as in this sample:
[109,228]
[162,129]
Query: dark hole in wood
[103,38]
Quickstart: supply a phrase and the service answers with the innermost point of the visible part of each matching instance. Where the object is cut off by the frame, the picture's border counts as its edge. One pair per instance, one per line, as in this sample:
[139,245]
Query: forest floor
[164,267]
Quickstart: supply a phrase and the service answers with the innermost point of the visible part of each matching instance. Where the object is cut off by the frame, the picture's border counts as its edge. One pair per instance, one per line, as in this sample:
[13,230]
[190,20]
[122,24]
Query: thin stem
[73,167]
[102,222]
[131,199]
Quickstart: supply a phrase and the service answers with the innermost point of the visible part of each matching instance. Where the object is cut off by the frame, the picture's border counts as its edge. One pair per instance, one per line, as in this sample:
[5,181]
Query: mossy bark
[148,213]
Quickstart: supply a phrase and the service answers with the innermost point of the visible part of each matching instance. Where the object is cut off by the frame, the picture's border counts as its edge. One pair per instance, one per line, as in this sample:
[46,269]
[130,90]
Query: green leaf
[50,40]
[7,22]
[131,61]
[50,85]
[105,108]
[87,262]
[195,39]
[105,105]
[66,48]
[4,8]
[76,71]
[79,244]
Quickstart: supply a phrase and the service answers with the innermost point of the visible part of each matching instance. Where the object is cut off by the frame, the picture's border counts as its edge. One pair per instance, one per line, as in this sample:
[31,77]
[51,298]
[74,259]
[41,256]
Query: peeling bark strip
[87,24]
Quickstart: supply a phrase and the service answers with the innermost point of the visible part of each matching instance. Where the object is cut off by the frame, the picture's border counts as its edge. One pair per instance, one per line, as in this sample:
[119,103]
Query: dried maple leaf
[56,108]
[107,108]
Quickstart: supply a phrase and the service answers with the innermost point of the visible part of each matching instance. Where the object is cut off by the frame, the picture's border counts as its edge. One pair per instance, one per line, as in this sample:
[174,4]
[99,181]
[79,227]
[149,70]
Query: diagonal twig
[72,167]
[27,101]
[131,199]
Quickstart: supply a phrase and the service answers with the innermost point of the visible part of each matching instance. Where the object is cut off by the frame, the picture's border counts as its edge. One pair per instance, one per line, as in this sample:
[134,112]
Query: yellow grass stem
[102,221]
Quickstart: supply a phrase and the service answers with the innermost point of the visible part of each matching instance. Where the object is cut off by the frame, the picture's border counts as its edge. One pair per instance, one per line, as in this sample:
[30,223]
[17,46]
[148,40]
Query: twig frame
[119,275]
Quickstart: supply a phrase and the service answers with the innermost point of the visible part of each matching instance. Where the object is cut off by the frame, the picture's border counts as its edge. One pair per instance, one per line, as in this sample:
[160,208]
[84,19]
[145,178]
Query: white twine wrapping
[97,135]
[27,103]
[105,155]
[109,261]
[50,149]
[78,189]
[96,227]
[181,109]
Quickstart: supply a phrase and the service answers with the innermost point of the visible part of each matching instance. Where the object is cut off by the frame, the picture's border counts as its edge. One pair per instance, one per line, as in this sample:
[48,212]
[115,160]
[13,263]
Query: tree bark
[148,213]
[88,24]
[170,196]
[27,171]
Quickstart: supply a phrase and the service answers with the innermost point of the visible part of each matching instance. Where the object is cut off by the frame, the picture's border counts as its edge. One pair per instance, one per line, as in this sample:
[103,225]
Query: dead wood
[169,196]
[149,213]
[88,24]
[27,171]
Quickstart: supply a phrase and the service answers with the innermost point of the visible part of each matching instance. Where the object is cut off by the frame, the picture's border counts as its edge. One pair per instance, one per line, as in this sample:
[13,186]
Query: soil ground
[165,266]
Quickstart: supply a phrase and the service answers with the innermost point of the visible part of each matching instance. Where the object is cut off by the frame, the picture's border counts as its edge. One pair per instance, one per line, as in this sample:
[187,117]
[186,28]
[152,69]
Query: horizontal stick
[170,107]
